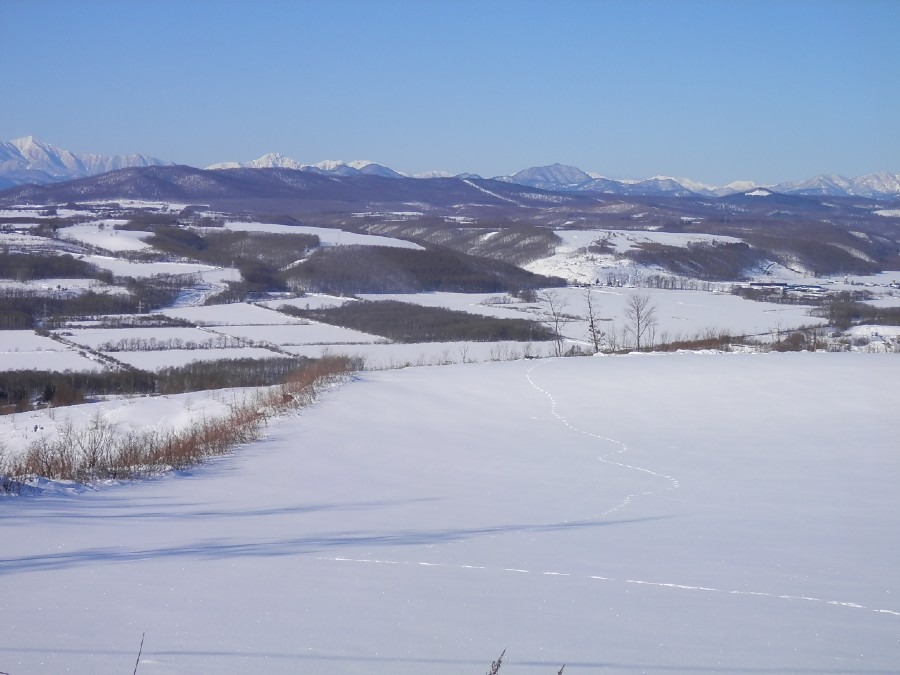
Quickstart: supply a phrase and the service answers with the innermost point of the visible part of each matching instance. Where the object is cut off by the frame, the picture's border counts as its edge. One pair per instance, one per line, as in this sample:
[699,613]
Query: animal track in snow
[622,448]
[639,582]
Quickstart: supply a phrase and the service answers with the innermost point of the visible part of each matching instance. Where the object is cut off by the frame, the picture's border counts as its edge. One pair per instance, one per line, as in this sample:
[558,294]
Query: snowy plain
[674,513]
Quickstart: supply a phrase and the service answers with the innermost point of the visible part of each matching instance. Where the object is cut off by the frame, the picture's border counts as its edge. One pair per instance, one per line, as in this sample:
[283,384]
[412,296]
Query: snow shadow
[316,544]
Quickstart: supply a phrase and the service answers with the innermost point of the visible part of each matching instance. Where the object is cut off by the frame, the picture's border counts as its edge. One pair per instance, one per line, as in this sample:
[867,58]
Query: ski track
[673,484]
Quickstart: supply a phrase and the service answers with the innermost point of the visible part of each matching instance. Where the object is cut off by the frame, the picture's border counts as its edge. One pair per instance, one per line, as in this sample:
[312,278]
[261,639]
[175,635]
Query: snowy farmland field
[103,234]
[132,339]
[25,350]
[235,314]
[174,358]
[307,333]
[649,513]
[327,236]
[678,313]
[127,268]
[382,356]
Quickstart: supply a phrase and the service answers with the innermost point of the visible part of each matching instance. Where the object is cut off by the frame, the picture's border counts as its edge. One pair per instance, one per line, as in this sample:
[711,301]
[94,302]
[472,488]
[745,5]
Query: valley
[592,431]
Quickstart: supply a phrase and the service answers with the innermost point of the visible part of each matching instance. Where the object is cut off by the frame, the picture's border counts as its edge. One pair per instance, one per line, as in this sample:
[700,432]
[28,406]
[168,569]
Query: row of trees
[25,308]
[640,316]
[19,390]
[30,266]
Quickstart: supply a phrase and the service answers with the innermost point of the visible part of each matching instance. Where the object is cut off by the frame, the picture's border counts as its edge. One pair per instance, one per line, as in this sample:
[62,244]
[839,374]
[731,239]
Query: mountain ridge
[28,160]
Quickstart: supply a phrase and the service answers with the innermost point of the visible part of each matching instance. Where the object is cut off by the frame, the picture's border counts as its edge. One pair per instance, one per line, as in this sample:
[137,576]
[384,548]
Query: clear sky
[713,90]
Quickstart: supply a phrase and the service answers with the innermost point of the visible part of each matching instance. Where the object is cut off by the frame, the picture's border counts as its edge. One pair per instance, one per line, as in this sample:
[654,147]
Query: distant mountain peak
[554,175]
[271,160]
[30,160]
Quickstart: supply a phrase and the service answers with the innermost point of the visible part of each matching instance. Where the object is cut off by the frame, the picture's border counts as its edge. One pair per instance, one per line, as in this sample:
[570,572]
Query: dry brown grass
[98,452]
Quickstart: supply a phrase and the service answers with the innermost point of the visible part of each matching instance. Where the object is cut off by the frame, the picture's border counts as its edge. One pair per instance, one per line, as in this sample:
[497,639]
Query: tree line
[382,269]
[410,323]
[29,267]
[26,309]
[21,389]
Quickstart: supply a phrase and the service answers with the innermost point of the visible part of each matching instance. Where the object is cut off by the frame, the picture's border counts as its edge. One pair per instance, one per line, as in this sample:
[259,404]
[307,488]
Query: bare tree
[641,317]
[552,314]
[595,335]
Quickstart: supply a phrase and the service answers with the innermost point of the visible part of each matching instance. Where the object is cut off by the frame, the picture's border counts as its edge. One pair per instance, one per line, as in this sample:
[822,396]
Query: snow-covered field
[674,513]
[382,356]
[311,301]
[104,235]
[127,268]
[131,339]
[56,361]
[327,236]
[137,413]
[678,313]
[25,350]
[174,358]
[236,314]
[299,334]
[572,261]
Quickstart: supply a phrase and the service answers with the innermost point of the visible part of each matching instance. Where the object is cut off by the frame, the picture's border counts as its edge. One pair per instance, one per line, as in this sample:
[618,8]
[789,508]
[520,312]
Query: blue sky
[715,91]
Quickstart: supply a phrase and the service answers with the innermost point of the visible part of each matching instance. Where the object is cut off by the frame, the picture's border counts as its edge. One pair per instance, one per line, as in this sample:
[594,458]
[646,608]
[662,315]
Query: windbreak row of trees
[29,267]
[405,322]
[20,390]
[22,309]
[843,311]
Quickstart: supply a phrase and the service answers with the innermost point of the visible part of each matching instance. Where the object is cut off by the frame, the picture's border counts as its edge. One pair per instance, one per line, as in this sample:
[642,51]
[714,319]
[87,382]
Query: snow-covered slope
[662,514]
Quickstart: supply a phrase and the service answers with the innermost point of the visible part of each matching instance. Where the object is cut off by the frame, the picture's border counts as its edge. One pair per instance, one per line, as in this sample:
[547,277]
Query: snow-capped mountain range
[275,160]
[28,160]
